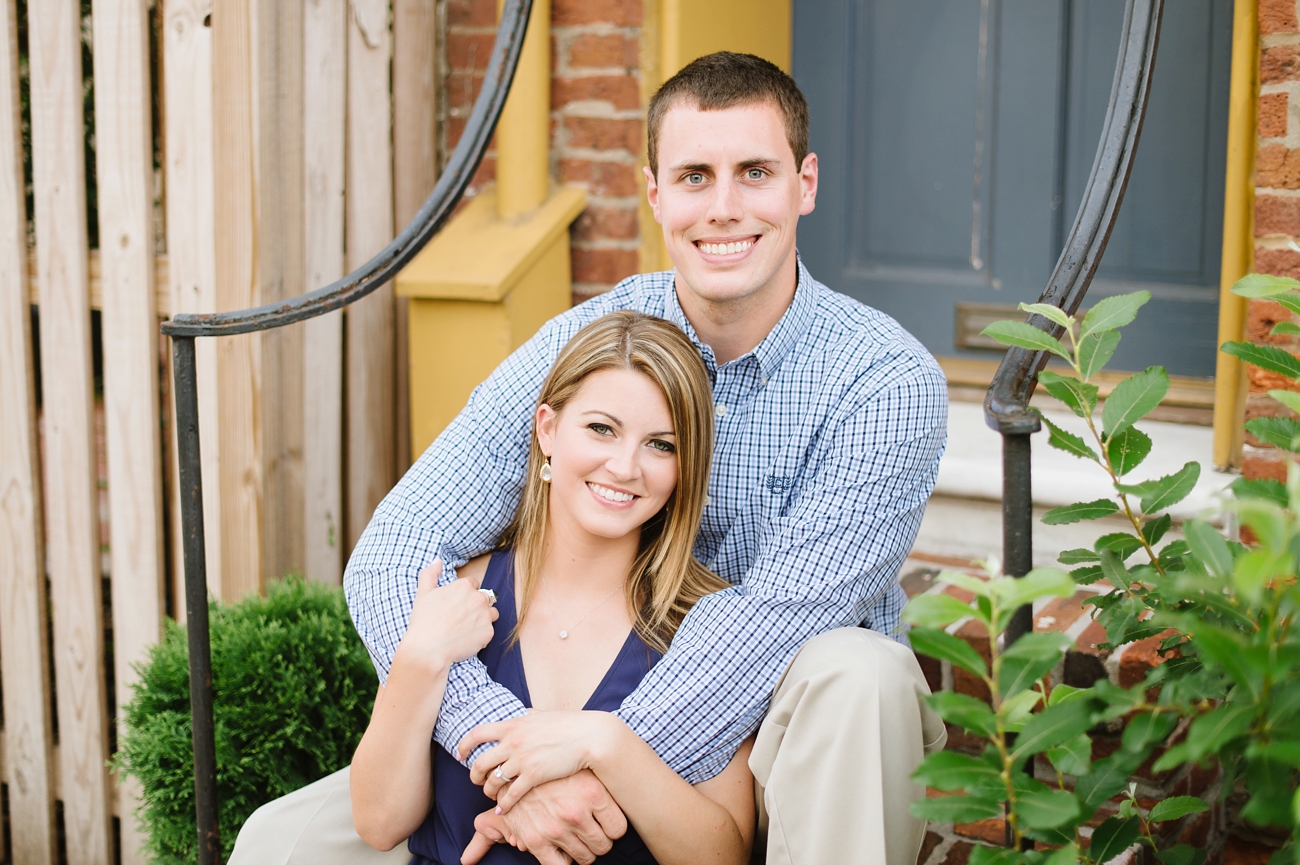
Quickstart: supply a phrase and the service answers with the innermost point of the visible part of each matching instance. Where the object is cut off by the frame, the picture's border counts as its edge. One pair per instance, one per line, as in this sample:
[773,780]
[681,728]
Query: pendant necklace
[564,634]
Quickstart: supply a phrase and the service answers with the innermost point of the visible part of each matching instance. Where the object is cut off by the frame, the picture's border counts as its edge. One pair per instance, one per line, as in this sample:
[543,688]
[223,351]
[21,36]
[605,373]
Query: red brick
[621,91]
[931,841]
[1061,613]
[1279,63]
[958,853]
[468,50]
[599,51]
[471,13]
[602,178]
[620,13]
[1239,851]
[960,740]
[1262,381]
[1272,115]
[1277,215]
[1197,830]
[1277,16]
[1278,262]
[607,223]
[1277,167]
[1140,657]
[1084,662]
[966,683]
[603,266]
[994,831]
[1262,466]
[602,133]
[1261,315]
[933,672]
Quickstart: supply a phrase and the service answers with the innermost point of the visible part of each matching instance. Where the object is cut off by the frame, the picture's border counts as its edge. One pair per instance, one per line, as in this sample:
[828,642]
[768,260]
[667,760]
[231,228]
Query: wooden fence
[239,153]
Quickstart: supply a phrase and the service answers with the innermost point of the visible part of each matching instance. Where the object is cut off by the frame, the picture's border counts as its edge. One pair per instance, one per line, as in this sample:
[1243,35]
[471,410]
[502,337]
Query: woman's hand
[540,747]
[448,623]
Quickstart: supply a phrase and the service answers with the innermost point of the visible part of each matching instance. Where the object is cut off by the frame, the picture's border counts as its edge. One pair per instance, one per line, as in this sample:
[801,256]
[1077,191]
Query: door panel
[955,139]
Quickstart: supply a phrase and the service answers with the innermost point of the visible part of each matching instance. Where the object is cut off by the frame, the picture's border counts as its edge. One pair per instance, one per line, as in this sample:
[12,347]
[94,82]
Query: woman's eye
[600,429]
[661,445]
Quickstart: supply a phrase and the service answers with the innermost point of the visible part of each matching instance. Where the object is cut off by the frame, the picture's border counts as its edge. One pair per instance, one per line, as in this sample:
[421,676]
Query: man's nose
[726,206]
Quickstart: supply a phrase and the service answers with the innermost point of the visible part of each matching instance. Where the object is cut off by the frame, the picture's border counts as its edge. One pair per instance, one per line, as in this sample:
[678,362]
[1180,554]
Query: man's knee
[856,658]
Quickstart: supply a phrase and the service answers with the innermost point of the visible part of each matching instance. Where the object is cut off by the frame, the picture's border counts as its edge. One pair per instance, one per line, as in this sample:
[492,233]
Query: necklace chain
[564,633]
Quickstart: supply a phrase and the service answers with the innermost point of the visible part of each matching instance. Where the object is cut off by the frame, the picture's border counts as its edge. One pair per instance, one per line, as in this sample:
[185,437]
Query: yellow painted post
[1238,232]
[524,131]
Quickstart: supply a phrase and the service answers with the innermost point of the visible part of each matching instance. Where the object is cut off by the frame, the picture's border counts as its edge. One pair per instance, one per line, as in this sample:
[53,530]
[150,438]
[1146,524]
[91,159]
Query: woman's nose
[623,463]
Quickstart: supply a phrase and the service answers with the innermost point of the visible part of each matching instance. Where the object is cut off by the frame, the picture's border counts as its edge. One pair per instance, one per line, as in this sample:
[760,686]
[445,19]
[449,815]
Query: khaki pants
[831,770]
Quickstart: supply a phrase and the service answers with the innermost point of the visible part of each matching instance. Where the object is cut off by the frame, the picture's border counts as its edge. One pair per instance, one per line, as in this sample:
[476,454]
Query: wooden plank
[324,109]
[124,158]
[415,159]
[277,94]
[161,283]
[24,663]
[191,271]
[72,532]
[235,228]
[370,342]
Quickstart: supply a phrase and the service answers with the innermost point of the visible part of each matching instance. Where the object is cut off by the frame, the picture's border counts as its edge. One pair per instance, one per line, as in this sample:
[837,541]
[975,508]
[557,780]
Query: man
[830,423]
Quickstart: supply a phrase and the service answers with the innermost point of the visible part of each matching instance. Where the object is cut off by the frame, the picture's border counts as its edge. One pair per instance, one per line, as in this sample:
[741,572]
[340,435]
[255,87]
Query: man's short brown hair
[725,80]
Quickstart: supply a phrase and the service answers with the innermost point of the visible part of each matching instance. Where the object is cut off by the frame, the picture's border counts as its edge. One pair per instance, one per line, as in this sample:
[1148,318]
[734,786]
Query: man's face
[729,196]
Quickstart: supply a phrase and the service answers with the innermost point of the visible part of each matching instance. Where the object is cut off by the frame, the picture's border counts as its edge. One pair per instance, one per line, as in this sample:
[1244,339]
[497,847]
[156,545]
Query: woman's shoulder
[493,571]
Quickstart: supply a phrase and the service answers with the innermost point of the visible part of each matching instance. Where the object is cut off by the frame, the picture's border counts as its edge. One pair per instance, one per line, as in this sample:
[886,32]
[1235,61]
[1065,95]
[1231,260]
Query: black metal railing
[1006,407]
[184,329]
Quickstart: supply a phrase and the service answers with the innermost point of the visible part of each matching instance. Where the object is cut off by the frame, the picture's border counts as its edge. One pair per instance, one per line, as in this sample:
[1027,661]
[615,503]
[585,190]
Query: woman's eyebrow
[603,414]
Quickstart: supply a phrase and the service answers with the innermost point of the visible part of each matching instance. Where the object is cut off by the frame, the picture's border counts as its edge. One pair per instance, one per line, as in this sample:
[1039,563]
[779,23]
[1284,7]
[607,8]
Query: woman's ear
[545,422]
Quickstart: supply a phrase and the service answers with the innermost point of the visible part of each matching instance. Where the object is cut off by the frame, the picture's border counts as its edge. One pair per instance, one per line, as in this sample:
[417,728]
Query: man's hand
[573,818]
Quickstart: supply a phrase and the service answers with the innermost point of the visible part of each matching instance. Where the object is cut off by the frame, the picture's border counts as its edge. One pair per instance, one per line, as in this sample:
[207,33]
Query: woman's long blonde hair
[665,580]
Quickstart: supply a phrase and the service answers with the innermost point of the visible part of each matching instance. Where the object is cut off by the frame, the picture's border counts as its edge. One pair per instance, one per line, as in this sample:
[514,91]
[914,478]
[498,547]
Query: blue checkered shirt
[829,435]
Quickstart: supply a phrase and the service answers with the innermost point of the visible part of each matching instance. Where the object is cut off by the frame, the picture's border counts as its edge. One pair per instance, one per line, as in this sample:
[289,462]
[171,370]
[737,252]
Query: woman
[616,485]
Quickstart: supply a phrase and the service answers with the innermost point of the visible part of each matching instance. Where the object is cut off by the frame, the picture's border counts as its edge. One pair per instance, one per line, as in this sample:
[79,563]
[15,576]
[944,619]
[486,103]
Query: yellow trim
[524,131]
[480,256]
[1238,232]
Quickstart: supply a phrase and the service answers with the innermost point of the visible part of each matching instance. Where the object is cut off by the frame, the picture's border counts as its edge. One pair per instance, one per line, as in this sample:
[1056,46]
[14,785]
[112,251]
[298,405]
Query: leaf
[1133,398]
[1263,285]
[1153,530]
[1112,838]
[945,647]
[1285,328]
[1267,357]
[1055,726]
[1230,653]
[1181,854]
[1216,728]
[1030,658]
[1127,450]
[1278,431]
[1067,855]
[1048,311]
[1086,576]
[1018,333]
[1108,777]
[1112,568]
[1074,757]
[1163,492]
[1175,808]
[1083,511]
[956,809]
[1113,312]
[1046,809]
[1076,556]
[1288,398]
[982,855]
[974,585]
[1269,784]
[968,712]
[1209,546]
[1269,490]
[935,610]
[1146,729]
[1122,543]
[1015,711]
[1064,440]
[949,770]
[1080,397]
[1096,350]
[1255,569]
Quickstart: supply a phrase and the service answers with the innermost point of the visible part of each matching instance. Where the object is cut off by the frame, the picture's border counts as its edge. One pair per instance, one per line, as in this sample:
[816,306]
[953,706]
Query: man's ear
[652,191]
[545,422]
[808,184]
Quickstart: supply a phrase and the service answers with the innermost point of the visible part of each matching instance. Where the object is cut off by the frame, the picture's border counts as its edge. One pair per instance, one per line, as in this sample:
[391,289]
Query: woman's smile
[611,497]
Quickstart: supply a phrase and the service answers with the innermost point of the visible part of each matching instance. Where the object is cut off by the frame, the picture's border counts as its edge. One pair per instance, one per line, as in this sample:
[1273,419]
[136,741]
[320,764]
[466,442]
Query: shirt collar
[778,343]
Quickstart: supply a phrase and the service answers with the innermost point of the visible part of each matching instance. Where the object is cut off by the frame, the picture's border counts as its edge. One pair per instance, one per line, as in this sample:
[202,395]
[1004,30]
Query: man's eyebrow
[758,161]
[691,166]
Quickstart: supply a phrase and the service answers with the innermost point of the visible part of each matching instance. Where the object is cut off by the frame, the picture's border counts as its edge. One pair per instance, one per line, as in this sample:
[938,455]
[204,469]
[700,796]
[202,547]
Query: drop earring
[545,473]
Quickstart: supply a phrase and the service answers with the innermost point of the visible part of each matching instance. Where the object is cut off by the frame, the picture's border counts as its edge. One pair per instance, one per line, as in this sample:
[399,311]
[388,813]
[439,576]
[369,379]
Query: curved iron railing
[1006,406]
[183,329]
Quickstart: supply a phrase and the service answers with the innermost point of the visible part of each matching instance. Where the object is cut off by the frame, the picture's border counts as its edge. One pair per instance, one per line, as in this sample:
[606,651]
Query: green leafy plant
[292,687]
[1224,611]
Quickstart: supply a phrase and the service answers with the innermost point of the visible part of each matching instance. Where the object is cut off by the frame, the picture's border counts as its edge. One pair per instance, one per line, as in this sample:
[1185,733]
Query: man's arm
[452,505]
[832,561]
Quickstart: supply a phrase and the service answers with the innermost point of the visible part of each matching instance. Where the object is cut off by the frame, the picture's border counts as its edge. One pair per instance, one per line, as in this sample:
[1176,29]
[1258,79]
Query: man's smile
[726,249]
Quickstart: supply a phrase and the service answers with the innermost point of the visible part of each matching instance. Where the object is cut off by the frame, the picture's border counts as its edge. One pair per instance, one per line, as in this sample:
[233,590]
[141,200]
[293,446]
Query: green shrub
[292,686]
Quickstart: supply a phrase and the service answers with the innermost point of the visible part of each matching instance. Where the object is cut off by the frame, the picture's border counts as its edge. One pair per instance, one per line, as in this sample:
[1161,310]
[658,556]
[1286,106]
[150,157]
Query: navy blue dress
[457,800]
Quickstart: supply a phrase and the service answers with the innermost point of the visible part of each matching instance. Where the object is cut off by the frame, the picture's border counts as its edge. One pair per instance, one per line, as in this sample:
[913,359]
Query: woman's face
[613,454]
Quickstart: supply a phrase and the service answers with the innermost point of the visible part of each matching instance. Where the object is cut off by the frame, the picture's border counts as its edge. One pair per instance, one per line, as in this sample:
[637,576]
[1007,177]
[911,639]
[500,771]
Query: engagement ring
[498,771]
[491,596]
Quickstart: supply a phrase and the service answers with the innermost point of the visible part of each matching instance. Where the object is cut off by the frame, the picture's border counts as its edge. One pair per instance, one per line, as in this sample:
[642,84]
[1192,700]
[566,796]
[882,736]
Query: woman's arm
[710,822]
[391,770]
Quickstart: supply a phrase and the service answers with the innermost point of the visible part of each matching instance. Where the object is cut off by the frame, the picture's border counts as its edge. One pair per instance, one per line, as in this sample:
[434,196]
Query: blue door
[956,136]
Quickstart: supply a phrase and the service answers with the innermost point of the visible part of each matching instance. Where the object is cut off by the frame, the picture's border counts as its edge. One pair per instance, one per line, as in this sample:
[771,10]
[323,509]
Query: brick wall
[1277,208]
[597,130]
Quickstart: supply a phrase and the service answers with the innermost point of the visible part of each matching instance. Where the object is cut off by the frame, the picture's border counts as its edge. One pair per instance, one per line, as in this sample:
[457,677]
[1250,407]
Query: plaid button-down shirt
[828,441]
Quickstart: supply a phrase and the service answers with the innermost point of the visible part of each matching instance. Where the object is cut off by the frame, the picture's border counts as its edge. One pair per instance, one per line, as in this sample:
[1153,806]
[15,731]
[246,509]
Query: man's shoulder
[642,292]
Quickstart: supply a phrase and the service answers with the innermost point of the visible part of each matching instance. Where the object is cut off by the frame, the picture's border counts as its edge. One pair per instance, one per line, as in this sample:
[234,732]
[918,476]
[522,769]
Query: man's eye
[695,178]
[755,174]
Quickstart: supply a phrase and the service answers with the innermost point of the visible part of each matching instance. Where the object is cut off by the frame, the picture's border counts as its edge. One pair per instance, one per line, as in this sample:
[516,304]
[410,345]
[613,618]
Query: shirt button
[720,409]
[763,381]
[708,500]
